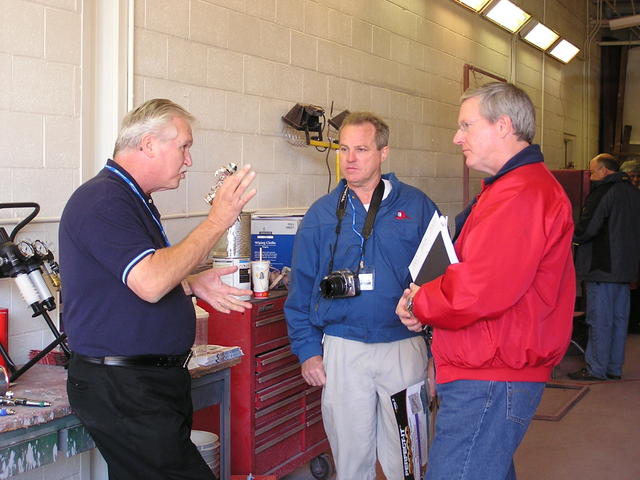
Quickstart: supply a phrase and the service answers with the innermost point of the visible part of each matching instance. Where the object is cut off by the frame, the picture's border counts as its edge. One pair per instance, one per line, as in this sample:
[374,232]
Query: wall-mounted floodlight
[306,118]
[475,5]
[506,14]
[538,35]
[564,51]
[336,121]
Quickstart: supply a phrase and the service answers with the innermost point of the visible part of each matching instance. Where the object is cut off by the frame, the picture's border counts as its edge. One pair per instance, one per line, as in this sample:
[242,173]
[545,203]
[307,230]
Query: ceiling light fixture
[624,22]
[475,5]
[538,35]
[511,17]
[506,14]
[564,51]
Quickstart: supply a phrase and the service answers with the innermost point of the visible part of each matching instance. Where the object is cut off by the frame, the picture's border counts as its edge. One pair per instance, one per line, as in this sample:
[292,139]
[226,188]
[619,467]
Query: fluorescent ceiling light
[564,51]
[475,5]
[539,35]
[624,22]
[507,15]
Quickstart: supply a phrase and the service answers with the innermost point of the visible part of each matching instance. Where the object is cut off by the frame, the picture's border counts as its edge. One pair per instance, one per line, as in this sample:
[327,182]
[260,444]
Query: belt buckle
[186,361]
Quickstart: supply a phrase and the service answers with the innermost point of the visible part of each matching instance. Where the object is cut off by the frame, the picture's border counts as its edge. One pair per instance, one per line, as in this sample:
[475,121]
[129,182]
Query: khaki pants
[356,404]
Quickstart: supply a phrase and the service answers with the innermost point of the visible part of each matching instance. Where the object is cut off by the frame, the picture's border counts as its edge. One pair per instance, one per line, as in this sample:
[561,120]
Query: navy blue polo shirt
[107,227]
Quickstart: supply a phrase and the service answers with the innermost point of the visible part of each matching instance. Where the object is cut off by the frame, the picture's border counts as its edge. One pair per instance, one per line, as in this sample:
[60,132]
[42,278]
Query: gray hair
[152,117]
[359,118]
[632,165]
[501,98]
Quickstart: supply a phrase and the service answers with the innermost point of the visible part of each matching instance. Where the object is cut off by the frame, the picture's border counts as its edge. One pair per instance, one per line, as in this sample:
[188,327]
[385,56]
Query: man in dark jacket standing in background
[607,257]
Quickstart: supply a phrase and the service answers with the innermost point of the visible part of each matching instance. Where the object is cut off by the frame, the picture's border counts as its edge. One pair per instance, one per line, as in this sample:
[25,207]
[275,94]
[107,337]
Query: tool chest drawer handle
[266,307]
[313,404]
[279,421]
[280,356]
[264,411]
[267,321]
[277,373]
[313,420]
[262,448]
[289,386]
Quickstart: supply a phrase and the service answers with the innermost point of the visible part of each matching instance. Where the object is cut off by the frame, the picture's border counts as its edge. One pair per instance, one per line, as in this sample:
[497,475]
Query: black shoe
[585,376]
[614,377]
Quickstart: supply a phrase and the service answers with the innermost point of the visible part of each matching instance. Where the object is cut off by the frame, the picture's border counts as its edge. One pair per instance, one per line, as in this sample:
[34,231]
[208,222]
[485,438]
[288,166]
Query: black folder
[435,252]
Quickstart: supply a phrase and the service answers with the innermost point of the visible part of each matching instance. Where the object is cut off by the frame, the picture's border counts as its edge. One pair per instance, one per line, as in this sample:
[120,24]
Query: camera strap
[374,206]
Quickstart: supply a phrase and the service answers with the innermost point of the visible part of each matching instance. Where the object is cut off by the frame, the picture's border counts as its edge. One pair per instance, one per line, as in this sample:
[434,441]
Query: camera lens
[333,286]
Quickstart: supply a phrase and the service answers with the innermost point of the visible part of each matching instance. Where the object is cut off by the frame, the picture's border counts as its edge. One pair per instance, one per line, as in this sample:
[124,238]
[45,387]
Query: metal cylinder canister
[236,242]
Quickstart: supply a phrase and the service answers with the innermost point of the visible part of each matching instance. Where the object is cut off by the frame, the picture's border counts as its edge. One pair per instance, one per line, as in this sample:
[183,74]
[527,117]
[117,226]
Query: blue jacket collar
[530,154]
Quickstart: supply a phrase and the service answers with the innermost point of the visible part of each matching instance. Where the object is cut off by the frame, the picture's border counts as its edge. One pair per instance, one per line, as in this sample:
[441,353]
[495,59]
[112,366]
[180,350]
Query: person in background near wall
[632,169]
[128,312]
[370,225]
[502,317]
[607,259]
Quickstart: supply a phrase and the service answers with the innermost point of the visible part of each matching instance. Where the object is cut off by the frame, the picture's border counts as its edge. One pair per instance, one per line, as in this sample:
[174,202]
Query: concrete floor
[597,439]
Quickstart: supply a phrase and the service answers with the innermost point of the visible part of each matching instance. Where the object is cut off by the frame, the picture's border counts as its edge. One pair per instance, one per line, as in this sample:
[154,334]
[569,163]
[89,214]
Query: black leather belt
[138,360]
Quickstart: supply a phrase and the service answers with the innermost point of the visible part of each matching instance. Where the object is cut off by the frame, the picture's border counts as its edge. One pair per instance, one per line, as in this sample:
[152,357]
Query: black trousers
[140,419]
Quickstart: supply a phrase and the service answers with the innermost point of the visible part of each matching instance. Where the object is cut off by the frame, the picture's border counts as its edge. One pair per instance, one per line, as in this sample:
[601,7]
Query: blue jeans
[478,428]
[607,317]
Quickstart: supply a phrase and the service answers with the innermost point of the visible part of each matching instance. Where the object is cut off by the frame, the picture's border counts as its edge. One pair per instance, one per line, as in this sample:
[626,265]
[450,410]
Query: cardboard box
[275,235]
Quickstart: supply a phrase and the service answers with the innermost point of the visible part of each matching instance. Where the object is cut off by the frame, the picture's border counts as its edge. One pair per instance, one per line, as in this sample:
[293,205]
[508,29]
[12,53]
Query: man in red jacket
[502,317]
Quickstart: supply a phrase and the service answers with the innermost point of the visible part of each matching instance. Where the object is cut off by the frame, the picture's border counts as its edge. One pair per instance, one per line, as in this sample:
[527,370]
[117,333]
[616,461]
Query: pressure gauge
[26,249]
[41,248]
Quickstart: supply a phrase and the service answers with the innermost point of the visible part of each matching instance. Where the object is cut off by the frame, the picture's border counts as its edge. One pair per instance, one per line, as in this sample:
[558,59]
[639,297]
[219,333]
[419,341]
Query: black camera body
[340,284]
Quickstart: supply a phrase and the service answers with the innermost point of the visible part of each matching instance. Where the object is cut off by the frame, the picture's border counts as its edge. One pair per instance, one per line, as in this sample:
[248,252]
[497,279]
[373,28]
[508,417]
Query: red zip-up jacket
[505,311]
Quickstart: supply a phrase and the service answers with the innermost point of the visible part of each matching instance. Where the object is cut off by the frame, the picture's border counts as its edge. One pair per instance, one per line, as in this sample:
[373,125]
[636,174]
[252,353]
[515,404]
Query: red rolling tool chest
[276,421]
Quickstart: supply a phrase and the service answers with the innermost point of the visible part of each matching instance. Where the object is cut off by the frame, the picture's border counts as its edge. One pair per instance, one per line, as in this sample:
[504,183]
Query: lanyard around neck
[142,199]
[376,200]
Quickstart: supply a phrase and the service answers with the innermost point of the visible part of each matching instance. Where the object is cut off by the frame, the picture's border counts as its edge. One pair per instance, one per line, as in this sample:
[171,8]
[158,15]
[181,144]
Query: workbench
[35,436]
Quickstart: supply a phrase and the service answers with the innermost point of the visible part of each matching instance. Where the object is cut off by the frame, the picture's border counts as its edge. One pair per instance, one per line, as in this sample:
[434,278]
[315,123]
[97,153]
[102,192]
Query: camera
[340,284]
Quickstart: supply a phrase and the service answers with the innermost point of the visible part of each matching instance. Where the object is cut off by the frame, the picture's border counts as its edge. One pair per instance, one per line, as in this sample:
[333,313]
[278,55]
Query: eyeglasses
[464,126]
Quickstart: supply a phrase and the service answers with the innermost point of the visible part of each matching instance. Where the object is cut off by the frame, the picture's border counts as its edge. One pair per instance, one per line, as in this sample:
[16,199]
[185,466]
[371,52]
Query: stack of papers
[215,354]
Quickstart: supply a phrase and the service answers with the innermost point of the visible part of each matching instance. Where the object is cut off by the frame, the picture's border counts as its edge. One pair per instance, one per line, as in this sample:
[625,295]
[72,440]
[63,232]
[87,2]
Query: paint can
[241,278]
[236,242]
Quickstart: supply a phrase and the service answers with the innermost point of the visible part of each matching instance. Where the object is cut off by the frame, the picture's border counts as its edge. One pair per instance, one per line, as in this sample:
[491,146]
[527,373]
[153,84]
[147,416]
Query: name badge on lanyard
[367,278]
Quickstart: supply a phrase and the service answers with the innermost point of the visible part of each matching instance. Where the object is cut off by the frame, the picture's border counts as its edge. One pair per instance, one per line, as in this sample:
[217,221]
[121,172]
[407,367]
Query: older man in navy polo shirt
[128,312]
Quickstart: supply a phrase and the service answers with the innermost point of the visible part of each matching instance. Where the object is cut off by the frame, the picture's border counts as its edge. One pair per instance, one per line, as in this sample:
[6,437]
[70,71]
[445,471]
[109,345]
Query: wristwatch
[409,305]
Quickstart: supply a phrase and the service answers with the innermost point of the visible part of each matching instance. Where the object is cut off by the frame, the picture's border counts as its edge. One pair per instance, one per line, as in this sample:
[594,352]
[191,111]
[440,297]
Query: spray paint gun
[7,398]
[220,175]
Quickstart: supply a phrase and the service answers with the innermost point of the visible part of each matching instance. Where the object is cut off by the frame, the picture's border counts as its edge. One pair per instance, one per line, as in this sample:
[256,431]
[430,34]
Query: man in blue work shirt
[127,307]
[365,233]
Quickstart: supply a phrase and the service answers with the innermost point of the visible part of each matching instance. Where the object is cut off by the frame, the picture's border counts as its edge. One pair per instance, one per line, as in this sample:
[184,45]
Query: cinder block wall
[239,65]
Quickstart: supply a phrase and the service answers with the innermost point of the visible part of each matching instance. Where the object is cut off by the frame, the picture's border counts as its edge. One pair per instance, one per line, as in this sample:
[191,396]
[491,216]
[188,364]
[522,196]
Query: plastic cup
[260,278]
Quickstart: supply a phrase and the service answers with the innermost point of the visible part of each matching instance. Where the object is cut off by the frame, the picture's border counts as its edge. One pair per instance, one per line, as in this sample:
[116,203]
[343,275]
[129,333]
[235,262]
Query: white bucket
[241,278]
[209,447]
